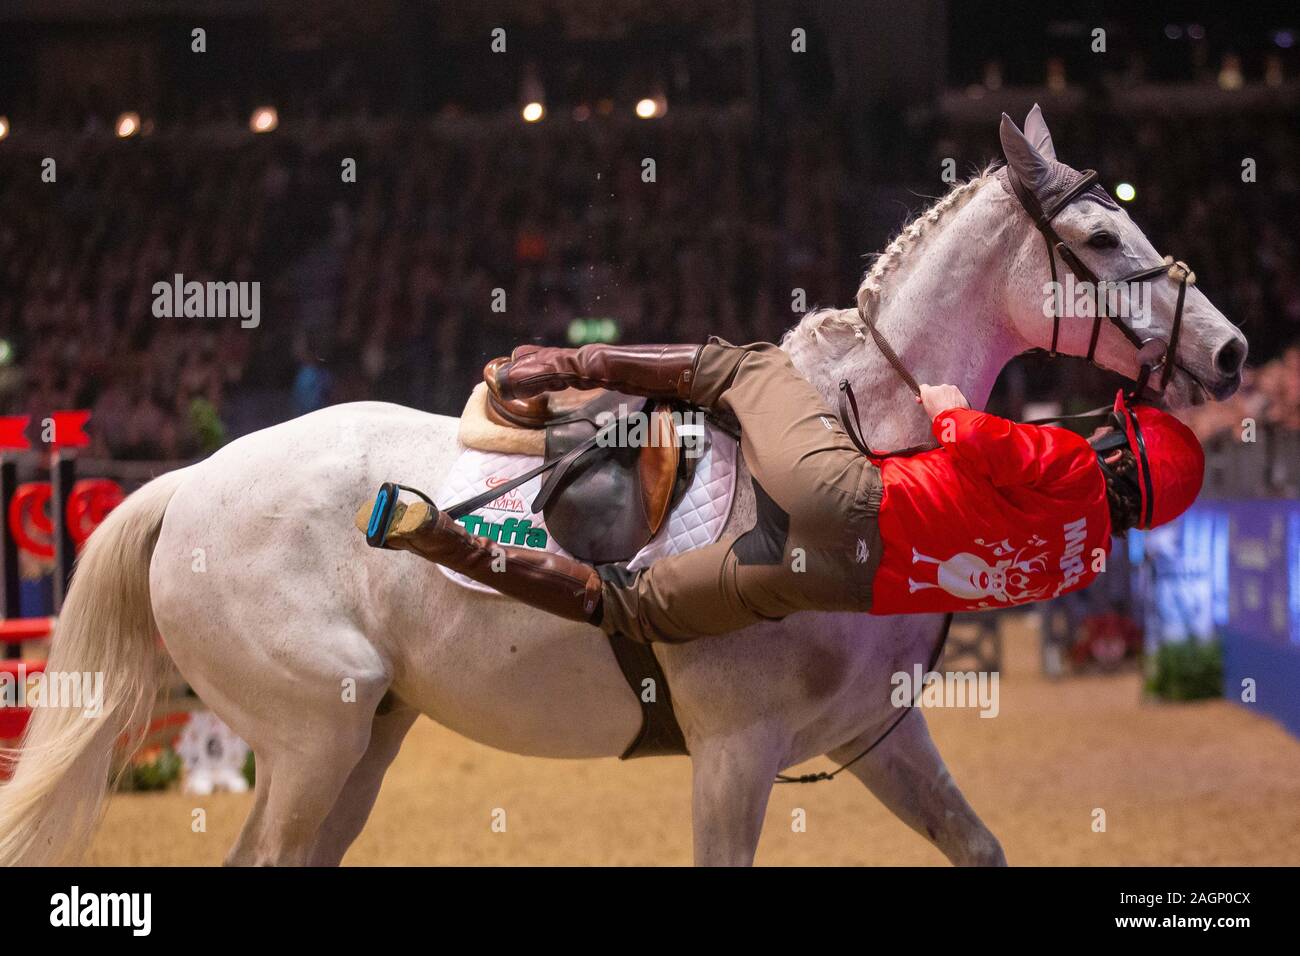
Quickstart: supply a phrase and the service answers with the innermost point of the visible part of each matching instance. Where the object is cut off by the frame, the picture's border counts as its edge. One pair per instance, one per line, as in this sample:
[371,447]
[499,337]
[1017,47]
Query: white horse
[321,652]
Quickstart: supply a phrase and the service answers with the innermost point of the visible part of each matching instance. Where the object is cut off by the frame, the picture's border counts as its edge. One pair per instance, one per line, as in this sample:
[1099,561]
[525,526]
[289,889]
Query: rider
[998,514]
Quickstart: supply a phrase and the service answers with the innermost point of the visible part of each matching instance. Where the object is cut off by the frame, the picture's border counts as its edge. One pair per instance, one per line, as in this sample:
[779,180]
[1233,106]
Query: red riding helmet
[1170,461]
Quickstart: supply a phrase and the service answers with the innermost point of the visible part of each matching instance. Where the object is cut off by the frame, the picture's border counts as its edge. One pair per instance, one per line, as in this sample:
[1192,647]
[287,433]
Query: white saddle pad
[697,520]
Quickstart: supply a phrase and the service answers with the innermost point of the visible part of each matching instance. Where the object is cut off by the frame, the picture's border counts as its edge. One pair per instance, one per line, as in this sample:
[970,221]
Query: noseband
[1152,354]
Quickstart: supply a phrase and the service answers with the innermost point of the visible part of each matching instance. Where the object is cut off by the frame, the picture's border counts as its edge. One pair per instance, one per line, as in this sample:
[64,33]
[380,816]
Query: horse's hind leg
[353,806]
[308,735]
[908,776]
[302,785]
[294,795]
[244,852]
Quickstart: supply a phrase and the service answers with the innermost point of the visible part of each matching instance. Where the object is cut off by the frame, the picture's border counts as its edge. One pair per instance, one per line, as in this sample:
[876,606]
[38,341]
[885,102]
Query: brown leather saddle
[619,468]
[603,501]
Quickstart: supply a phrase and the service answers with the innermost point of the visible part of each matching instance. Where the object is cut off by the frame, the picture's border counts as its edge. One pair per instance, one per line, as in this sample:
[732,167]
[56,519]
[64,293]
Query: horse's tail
[105,629]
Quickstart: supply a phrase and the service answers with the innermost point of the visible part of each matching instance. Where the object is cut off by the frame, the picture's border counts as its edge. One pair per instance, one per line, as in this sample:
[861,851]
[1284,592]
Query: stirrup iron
[385,507]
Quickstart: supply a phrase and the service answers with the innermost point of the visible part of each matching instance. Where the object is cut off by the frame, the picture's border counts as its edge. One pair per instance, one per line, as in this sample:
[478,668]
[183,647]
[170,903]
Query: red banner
[70,429]
[13,432]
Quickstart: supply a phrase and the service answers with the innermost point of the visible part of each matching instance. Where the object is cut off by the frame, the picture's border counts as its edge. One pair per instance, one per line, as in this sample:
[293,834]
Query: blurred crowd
[77,266]
[1269,396]
[451,246]
[460,238]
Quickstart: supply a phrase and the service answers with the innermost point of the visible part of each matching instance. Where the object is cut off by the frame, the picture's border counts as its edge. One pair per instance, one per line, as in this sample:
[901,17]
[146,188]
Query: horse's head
[1210,351]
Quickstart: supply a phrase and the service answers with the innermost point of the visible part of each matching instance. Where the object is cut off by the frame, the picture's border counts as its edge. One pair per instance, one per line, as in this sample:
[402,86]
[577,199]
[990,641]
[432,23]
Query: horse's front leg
[908,776]
[732,780]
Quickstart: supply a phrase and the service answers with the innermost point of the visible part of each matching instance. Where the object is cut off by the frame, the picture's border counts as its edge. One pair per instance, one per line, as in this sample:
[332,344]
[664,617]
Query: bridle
[1152,354]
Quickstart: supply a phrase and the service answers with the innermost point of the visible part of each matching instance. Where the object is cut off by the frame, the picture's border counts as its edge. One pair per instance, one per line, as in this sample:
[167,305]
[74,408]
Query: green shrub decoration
[154,768]
[1187,670]
[207,425]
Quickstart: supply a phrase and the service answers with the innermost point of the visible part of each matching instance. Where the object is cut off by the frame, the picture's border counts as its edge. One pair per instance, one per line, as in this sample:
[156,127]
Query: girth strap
[660,734]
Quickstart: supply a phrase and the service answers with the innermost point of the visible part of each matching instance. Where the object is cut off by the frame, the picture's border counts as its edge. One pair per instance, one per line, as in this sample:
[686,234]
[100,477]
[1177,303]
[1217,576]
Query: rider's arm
[1003,451]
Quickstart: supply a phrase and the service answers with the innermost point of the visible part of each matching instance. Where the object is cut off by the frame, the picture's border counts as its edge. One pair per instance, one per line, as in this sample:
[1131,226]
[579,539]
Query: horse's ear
[1036,132]
[1023,159]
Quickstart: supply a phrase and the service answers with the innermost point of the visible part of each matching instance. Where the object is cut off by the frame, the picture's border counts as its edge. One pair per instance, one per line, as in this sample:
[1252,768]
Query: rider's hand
[936,399]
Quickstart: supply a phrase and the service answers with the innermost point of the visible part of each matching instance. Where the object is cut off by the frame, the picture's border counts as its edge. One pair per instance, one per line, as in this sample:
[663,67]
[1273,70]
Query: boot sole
[408,519]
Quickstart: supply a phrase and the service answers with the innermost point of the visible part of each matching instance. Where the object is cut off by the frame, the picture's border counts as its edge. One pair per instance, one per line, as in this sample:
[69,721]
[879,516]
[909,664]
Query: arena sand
[1205,783]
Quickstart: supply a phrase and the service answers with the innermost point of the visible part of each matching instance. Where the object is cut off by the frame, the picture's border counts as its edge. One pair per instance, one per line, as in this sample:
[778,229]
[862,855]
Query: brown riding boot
[553,583]
[651,371]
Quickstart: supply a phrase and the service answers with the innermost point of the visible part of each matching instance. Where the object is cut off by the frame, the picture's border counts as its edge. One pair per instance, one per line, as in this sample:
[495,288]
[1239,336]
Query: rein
[848,403]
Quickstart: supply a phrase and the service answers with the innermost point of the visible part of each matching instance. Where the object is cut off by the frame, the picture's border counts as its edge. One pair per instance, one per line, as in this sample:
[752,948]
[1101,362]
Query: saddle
[606,496]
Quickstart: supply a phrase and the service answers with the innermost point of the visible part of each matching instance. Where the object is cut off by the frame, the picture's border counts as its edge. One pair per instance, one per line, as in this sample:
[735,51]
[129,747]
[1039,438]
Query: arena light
[533,112]
[264,119]
[1125,192]
[1056,81]
[4,126]
[1230,77]
[651,107]
[128,124]
[1273,74]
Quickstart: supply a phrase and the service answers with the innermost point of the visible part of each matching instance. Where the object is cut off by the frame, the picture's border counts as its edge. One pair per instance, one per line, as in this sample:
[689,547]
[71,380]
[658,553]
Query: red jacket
[999,514]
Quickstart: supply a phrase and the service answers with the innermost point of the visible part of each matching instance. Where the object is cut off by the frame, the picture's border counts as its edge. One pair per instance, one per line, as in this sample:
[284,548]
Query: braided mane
[836,330]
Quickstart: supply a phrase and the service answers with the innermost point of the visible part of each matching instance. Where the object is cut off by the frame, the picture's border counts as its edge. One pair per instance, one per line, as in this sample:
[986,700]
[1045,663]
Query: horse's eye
[1103,240]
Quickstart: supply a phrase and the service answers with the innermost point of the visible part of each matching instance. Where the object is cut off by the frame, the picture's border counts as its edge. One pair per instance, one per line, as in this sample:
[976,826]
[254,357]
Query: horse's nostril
[1228,360]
